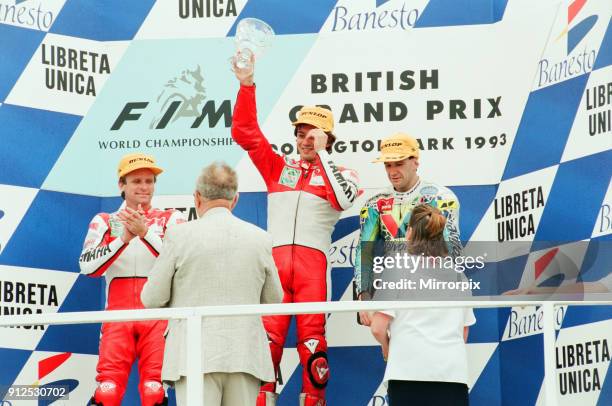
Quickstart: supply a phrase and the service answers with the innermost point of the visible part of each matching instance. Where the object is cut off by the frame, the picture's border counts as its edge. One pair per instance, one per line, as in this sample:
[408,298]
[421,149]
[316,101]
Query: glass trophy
[252,38]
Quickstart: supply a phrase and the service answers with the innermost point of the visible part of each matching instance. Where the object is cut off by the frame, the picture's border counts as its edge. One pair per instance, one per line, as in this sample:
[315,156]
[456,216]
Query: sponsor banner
[190,19]
[582,359]
[374,15]
[14,203]
[52,372]
[592,128]
[167,98]
[528,321]
[189,111]
[342,251]
[421,91]
[603,225]
[515,213]
[30,291]
[556,266]
[573,42]
[66,74]
[33,14]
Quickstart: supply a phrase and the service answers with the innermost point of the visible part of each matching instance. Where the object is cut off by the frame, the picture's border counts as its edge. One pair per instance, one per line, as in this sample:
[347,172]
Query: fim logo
[185,91]
[181,96]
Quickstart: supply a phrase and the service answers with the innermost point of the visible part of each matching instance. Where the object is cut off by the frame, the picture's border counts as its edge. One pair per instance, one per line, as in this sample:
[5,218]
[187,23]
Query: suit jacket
[216,260]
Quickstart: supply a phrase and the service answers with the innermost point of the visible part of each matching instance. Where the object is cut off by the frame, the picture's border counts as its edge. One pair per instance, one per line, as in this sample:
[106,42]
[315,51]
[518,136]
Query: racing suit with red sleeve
[126,267]
[304,203]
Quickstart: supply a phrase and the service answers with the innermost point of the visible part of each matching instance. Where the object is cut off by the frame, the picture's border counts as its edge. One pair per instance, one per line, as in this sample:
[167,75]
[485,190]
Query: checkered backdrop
[507,98]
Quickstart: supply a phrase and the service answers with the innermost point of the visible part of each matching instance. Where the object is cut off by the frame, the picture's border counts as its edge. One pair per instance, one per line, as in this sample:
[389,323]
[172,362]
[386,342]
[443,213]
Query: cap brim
[155,169]
[391,158]
[297,122]
[312,123]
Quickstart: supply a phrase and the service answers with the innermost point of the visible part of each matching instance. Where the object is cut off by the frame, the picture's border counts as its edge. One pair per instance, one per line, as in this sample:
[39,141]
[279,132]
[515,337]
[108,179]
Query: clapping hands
[134,223]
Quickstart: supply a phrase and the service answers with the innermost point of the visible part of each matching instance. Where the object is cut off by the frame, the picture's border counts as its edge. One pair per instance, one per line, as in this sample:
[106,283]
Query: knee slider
[153,394]
[318,369]
[107,394]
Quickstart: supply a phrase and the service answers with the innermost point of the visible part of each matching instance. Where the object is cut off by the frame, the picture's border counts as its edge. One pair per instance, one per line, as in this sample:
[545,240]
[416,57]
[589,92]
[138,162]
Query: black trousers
[426,393]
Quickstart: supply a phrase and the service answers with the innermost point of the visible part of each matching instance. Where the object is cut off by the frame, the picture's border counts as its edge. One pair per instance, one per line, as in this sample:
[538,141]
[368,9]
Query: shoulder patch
[428,190]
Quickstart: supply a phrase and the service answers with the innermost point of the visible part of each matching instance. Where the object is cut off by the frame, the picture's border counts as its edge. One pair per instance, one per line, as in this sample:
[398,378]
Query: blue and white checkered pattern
[54,174]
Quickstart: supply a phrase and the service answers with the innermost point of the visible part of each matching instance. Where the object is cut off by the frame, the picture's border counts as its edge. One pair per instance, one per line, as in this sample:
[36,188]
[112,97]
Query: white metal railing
[194,315]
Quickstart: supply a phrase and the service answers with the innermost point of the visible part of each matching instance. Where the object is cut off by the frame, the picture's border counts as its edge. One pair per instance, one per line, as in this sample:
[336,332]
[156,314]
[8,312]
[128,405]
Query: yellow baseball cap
[131,162]
[317,116]
[397,147]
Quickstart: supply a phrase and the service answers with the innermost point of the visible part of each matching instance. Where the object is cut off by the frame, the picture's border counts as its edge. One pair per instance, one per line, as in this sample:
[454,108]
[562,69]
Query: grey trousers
[222,389]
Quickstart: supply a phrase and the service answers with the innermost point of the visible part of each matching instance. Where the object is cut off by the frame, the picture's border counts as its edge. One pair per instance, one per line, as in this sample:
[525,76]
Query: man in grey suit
[217,260]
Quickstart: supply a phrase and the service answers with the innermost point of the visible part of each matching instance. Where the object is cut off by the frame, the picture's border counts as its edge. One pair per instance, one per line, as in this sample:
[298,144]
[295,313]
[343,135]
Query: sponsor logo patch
[289,177]
[316,180]
[428,190]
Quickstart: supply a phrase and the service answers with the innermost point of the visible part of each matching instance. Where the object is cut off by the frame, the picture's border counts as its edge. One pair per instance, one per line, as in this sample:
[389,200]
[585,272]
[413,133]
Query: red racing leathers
[304,203]
[126,267]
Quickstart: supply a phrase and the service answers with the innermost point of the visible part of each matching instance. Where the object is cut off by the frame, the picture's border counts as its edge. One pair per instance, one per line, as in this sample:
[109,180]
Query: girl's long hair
[427,238]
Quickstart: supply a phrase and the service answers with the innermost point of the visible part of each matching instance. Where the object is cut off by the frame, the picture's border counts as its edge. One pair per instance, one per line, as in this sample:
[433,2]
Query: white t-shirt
[427,345]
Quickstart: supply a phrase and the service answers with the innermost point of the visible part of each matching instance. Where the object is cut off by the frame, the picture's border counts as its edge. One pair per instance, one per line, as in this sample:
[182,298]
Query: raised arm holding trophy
[305,199]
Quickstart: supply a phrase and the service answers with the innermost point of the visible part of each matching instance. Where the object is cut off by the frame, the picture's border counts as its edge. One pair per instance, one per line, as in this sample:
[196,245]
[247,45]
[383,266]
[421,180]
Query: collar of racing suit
[401,197]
